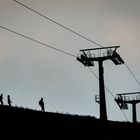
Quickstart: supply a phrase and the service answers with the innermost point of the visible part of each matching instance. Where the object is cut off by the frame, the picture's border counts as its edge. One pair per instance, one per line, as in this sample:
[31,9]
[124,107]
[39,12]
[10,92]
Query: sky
[29,70]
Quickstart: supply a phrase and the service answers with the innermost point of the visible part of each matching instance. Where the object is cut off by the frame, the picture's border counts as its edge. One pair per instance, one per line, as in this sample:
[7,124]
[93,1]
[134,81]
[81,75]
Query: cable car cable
[29,38]
[57,23]
[132,74]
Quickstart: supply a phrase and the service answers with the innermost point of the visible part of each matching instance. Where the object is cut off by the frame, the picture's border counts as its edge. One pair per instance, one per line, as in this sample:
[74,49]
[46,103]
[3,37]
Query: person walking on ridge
[9,100]
[41,103]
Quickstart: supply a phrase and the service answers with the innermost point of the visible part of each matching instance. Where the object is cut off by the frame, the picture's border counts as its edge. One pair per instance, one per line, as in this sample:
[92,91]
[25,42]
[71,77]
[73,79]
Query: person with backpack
[41,103]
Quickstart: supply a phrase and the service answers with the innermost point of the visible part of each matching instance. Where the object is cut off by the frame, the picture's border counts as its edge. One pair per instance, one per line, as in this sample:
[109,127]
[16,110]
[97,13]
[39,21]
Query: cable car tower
[128,98]
[87,58]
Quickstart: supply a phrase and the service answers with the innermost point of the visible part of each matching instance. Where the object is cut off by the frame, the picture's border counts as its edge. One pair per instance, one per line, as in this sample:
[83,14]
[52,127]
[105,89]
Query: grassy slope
[20,123]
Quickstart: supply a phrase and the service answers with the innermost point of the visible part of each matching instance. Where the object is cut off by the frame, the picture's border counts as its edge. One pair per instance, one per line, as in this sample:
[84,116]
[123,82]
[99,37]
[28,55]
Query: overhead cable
[132,74]
[44,44]
[59,24]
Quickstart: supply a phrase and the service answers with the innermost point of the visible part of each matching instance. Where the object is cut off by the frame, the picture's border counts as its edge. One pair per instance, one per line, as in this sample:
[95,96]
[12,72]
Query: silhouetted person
[1,99]
[9,100]
[41,103]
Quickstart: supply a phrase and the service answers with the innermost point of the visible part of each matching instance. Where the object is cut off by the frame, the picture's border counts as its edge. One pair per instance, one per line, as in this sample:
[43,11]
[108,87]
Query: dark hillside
[20,123]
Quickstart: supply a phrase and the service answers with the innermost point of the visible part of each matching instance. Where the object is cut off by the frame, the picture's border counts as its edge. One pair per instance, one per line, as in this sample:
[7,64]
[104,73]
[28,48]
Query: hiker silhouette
[1,99]
[9,100]
[41,103]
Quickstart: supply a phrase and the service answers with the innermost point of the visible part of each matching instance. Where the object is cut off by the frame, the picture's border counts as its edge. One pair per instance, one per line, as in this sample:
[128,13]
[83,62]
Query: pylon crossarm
[88,56]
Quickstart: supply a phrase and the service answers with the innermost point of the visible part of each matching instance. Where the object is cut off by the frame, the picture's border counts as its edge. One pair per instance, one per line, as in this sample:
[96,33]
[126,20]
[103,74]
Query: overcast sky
[29,71]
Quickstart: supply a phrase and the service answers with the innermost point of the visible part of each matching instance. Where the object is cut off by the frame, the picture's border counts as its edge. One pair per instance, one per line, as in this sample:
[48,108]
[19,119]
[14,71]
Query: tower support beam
[134,112]
[103,113]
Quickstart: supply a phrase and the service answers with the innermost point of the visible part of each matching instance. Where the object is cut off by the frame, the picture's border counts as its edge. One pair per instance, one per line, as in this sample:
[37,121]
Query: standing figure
[1,99]
[41,103]
[9,100]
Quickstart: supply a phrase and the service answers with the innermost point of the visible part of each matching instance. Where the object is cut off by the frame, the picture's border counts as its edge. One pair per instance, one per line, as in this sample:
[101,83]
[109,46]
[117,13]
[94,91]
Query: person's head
[42,99]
